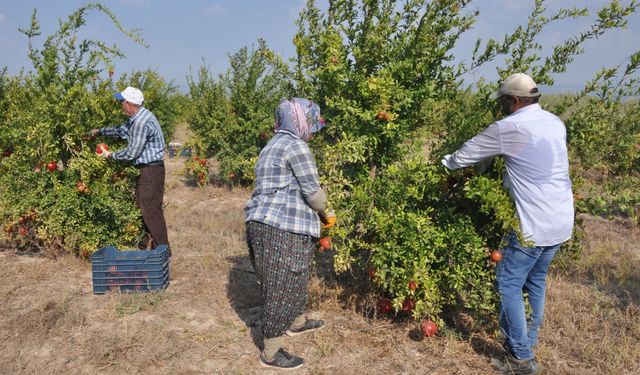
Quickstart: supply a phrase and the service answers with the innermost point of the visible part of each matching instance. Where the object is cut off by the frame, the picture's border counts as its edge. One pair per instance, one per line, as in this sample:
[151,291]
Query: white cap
[130,94]
[518,84]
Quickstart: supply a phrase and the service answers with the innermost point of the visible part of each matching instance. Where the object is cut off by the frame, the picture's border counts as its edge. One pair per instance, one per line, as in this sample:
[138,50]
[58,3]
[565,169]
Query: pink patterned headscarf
[298,116]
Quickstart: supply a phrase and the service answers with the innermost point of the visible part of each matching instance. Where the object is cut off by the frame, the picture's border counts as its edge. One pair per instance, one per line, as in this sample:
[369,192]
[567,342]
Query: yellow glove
[330,220]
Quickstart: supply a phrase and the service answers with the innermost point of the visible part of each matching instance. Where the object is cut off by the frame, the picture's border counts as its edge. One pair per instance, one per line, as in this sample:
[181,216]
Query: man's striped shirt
[144,136]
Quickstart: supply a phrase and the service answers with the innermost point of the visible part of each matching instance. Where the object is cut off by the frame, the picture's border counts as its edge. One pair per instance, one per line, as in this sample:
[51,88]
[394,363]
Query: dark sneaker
[145,241]
[308,326]
[511,365]
[282,360]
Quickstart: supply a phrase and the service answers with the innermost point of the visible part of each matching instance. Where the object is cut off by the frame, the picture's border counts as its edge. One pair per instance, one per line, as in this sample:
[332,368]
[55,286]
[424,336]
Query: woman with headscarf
[283,222]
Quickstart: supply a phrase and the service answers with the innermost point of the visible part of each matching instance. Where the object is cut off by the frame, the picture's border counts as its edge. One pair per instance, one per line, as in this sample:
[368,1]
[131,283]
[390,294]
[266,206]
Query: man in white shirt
[532,142]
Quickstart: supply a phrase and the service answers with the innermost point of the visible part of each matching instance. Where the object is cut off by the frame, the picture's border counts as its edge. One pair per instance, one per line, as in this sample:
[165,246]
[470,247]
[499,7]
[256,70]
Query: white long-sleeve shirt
[533,144]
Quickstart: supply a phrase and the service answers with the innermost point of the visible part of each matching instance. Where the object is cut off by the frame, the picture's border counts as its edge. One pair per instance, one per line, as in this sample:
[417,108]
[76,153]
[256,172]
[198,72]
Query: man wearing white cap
[145,150]
[532,142]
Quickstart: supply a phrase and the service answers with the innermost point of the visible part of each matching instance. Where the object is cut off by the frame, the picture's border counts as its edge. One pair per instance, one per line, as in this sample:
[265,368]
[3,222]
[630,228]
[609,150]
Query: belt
[152,164]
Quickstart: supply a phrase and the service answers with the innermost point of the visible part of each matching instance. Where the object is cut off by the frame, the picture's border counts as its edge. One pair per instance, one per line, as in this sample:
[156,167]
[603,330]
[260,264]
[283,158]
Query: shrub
[384,78]
[233,116]
[54,191]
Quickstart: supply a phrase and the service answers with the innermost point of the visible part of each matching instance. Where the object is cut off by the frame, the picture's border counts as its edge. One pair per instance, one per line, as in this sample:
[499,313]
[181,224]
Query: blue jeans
[522,269]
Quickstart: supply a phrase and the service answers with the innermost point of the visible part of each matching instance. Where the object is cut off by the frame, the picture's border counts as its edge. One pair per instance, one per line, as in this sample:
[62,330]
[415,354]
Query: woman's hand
[328,219]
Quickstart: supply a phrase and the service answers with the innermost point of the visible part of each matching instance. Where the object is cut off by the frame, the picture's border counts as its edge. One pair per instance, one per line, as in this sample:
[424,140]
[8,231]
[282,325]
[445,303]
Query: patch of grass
[588,330]
[613,269]
[130,304]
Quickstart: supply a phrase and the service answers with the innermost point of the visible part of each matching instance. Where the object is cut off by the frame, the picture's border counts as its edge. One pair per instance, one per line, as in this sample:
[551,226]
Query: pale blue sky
[181,34]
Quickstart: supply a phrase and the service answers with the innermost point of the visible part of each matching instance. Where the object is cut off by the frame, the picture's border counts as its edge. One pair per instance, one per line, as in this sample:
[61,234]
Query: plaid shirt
[285,174]
[144,137]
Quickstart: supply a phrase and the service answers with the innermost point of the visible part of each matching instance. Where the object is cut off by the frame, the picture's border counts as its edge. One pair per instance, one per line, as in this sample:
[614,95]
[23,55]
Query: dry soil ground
[205,322]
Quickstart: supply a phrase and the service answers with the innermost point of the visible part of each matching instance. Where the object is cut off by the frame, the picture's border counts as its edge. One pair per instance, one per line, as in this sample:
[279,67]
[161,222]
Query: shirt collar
[137,114]
[530,107]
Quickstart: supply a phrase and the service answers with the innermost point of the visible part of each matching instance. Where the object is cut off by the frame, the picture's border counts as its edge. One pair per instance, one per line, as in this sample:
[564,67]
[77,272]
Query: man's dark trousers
[149,196]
